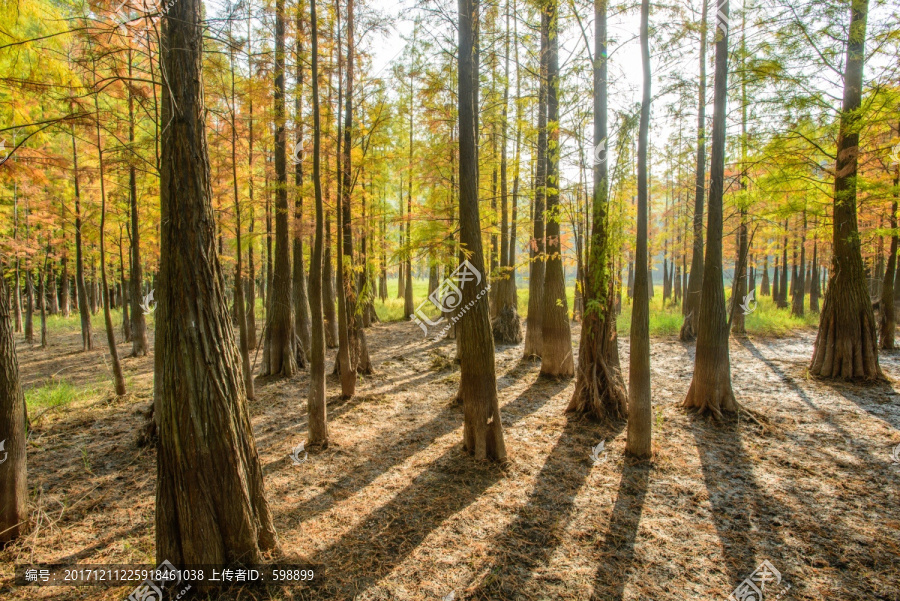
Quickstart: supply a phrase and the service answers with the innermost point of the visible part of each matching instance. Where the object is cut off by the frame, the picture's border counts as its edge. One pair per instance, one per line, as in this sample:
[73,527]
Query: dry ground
[394,510]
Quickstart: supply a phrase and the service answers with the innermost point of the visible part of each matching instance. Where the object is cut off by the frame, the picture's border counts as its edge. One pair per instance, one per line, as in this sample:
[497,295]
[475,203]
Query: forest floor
[393,508]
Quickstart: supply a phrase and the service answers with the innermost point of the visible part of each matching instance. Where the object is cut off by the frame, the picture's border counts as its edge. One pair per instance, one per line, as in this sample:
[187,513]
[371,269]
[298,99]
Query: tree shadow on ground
[380,542]
[617,549]
[394,450]
[539,528]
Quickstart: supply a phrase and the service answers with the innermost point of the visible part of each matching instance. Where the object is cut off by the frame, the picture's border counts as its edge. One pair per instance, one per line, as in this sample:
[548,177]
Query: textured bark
[556,351]
[210,501]
[87,342]
[279,355]
[710,390]
[781,301]
[13,474]
[29,307]
[800,289]
[764,286]
[638,438]
[317,422]
[599,390]
[691,307]
[534,318]
[482,428]
[846,345]
[65,300]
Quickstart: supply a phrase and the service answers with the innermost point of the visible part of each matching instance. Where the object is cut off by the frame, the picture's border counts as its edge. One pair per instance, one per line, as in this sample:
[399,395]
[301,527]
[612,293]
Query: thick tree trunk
[710,390]
[638,438]
[599,390]
[13,475]
[846,345]
[210,501]
[482,427]
[279,355]
[317,422]
[556,351]
[692,292]
[534,318]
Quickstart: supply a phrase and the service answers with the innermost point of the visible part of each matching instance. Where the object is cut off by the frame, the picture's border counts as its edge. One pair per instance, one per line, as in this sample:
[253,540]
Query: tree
[887,324]
[279,356]
[534,318]
[87,342]
[691,306]
[710,390]
[317,422]
[210,501]
[556,346]
[301,297]
[846,344]
[482,428]
[139,343]
[599,389]
[637,443]
[13,473]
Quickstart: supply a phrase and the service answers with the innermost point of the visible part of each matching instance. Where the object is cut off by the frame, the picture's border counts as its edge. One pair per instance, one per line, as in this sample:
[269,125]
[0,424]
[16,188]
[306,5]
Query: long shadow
[386,536]
[399,449]
[864,454]
[530,540]
[618,543]
[865,401]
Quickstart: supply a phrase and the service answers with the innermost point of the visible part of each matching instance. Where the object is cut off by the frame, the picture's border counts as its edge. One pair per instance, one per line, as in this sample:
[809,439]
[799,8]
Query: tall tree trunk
[139,343]
[210,499]
[13,473]
[507,327]
[846,345]
[118,378]
[250,313]
[534,318]
[84,309]
[29,307]
[764,287]
[637,442]
[279,355]
[599,389]
[126,318]
[328,293]
[240,309]
[482,427]
[301,298]
[556,351]
[317,422]
[692,293]
[42,299]
[408,304]
[783,284]
[710,390]
[65,294]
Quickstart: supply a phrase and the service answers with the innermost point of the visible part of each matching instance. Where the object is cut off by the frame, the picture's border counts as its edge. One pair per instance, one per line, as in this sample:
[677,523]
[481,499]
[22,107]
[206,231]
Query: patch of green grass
[54,393]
